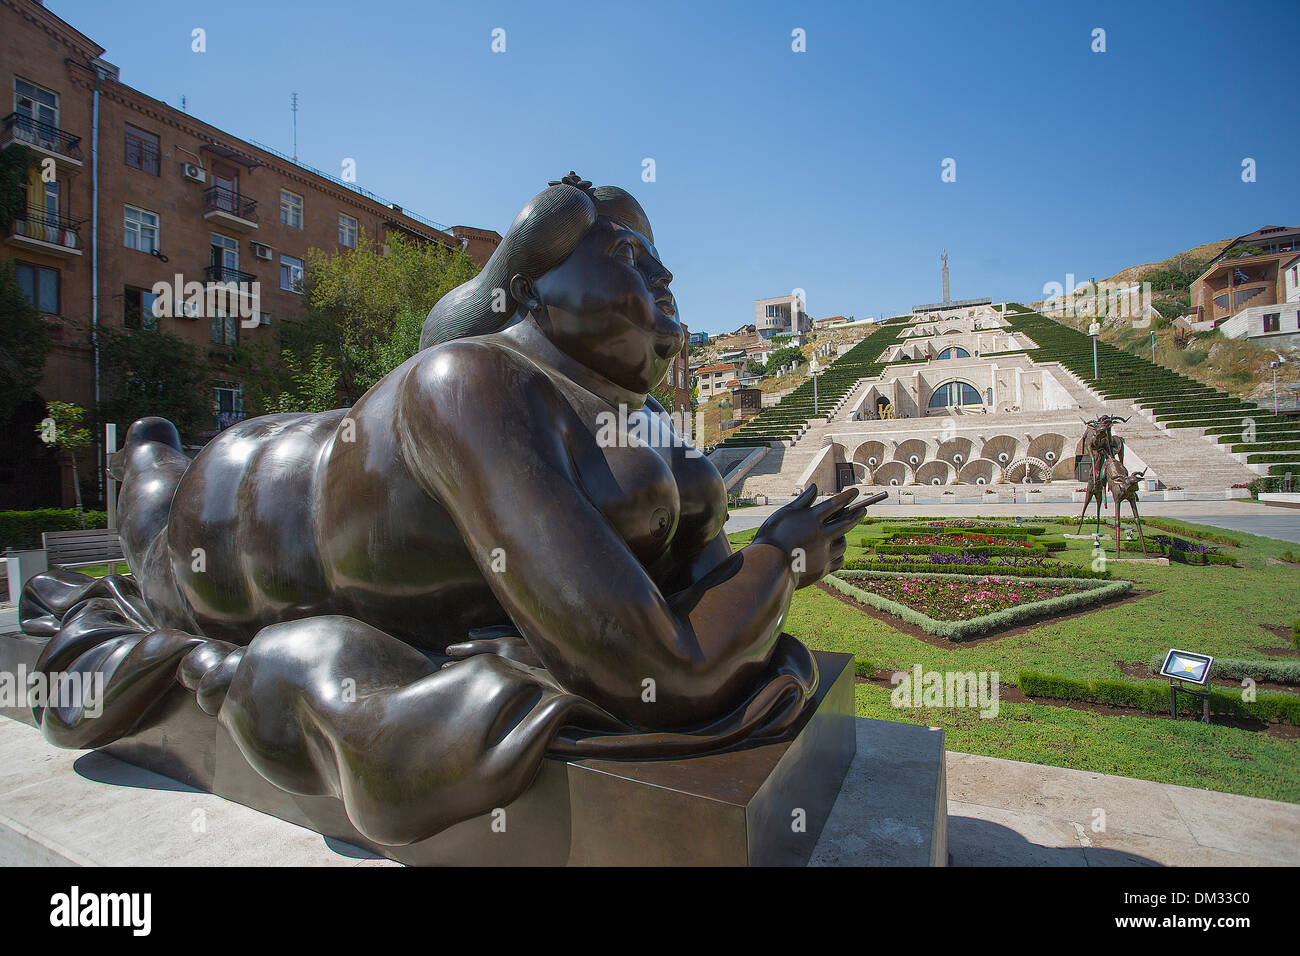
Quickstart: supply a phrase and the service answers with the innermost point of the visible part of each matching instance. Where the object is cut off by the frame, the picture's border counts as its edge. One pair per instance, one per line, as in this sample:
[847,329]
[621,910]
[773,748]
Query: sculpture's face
[609,307]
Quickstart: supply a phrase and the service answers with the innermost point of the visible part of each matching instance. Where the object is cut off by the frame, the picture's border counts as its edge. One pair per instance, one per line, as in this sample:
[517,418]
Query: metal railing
[215,273]
[35,133]
[226,419]
[221,199]
[141,155]
[35,222]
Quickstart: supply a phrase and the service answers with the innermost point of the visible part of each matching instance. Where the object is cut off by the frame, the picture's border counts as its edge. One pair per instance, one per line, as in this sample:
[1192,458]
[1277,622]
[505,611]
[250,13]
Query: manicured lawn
[1218,610]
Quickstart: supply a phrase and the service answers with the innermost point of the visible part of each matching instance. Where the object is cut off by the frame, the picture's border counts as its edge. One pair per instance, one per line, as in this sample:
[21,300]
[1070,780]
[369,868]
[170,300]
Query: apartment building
[1250,289]
[782,315]
[125,191]
[717,379]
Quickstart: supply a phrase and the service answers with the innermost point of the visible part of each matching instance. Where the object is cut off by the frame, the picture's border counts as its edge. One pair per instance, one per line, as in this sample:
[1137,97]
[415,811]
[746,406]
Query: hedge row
[1092,592]
[22,529]
[924,567]
[987,550]
[1182,557]
[1154,698]
[1014,531]
[1235,668]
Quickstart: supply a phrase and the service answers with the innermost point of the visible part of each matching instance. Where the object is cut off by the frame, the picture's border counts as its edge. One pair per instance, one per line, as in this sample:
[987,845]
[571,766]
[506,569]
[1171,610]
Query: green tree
[24,344]
[364,309]
[313,388]
[63,429]
[15,160]
[148,372]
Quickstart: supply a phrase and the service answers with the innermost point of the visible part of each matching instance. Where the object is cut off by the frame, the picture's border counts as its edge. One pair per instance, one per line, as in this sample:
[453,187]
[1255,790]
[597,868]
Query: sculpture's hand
[813,534]
[503,640]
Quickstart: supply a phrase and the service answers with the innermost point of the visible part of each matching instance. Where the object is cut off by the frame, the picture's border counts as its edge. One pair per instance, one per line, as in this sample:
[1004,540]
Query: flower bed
[956,542]
[967,562]
[1182,551]
[970,525]
[925,599]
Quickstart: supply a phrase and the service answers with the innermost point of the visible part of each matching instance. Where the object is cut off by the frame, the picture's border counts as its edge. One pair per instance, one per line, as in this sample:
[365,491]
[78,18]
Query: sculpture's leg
[1083,515]
[1138,518]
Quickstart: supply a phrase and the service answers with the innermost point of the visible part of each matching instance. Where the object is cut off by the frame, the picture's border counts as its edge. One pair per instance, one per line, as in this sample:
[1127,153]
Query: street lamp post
[1093,330]
[1273,365]
[813,368]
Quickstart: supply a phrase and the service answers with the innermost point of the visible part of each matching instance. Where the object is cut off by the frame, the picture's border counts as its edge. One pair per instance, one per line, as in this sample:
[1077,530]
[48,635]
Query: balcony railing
[227,274]
[33,132]
[35,222]
[221,199]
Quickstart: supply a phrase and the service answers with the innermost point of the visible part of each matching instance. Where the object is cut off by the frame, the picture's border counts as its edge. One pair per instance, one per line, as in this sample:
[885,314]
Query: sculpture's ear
[524,293]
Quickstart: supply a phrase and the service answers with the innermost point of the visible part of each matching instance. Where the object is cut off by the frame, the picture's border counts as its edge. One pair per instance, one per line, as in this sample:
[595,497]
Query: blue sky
[775,169]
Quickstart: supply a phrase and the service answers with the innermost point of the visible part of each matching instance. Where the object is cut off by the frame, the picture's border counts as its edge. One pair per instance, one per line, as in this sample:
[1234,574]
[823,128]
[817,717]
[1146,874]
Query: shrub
[22,529]
[1153,698]
[1087,592]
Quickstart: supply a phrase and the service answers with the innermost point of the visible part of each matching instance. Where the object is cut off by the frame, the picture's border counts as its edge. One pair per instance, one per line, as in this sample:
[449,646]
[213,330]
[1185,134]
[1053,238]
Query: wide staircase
[1185,407]
[788,420]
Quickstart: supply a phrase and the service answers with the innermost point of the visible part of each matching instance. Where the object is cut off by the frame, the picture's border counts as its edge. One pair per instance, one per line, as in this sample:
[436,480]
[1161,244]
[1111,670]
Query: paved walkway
[1249,516]
[62,807]
[1006,813]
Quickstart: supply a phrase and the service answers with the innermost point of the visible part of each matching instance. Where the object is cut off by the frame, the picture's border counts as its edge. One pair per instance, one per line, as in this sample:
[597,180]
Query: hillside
[1240,368]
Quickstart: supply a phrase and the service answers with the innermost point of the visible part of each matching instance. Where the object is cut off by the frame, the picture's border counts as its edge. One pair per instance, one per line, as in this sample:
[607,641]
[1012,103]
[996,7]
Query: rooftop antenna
[295,127]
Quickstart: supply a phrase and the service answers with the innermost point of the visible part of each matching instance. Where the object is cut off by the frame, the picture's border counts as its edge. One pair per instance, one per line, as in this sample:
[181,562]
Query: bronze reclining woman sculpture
[314,578]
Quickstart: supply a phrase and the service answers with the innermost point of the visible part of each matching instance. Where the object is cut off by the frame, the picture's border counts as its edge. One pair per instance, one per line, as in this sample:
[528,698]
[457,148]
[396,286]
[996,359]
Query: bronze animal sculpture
[1123,487]
[408,603]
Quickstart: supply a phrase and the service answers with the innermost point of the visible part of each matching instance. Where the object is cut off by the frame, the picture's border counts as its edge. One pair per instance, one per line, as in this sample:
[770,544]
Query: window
[141,230]
[955,393]
[37,121]
[1272,321]
[229,398]
[955,351]
[347,231]
[41,286]
[290,274]
[224,255]
[141,150]
[224,329]
[137,309]
[290,209]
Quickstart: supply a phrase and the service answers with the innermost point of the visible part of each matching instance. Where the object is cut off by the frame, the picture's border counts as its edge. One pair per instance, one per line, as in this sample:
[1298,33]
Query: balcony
[43,138]
[51,233]
[225,274]
[229,208]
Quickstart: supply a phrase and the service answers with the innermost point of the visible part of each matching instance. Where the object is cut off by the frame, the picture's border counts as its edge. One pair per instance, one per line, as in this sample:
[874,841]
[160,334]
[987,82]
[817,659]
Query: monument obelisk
[944,257]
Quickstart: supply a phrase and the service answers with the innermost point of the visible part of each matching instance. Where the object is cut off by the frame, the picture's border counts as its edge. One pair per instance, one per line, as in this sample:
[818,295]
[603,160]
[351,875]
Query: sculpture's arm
[490,438]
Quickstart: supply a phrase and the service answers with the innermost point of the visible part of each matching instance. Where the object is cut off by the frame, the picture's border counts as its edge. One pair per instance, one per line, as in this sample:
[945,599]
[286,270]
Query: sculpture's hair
[541,237]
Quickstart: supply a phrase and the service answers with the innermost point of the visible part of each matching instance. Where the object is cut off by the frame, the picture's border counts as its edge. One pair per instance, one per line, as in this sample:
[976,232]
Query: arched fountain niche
[979,471]
[955,451]
[891,473]
[912,452]
[872,454]
[935,472]
[1001,449]
[1028,471]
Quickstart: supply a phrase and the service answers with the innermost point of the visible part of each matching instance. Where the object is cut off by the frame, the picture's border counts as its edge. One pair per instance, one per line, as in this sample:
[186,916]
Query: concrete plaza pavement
[82,808]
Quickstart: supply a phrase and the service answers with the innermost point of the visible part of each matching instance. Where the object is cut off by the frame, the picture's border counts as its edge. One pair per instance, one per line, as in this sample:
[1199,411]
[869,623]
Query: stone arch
[1049,447]
[980,471]
[1000,448]
[956,451]
[936,471]
[891,473]
[912,452]
[1028,471]
[869,450]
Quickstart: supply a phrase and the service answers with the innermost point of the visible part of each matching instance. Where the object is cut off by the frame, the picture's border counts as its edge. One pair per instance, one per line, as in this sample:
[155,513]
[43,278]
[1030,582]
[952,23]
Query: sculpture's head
[582,262]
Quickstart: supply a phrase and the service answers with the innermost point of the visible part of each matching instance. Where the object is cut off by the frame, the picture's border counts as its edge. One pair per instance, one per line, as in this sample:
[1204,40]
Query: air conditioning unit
[261,250]
[194,172]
